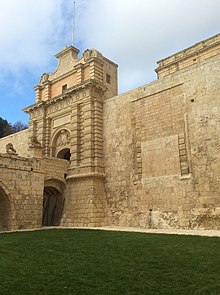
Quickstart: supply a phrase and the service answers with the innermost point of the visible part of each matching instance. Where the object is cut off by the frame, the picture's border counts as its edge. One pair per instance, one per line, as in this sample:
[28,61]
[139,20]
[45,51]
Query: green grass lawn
[101,263]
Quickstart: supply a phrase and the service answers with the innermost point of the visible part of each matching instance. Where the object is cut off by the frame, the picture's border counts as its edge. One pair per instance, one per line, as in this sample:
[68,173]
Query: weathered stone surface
[19,141]
[22,183]
[161,147]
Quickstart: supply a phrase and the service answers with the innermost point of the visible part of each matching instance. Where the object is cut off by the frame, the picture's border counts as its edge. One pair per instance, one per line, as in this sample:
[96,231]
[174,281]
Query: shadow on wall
[4,210]
[64,154]
[53,203]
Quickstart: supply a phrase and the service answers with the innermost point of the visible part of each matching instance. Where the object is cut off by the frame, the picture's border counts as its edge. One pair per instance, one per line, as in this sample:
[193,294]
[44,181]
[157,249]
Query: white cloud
[135,34]
[29,31]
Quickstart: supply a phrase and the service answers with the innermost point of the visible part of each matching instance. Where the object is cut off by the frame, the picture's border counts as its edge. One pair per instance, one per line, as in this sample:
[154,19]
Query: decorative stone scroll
[88,53]
[44,78]
[34,142]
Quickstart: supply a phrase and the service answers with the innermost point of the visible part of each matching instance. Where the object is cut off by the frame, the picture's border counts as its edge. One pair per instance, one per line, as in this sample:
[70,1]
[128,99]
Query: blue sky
[134,34]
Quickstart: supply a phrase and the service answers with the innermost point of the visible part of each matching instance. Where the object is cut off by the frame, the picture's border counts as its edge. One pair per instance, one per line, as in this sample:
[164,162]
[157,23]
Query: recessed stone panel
[61,121]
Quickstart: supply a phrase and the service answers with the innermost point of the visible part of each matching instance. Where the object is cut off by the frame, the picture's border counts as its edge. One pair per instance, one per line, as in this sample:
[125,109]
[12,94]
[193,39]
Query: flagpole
[73,24]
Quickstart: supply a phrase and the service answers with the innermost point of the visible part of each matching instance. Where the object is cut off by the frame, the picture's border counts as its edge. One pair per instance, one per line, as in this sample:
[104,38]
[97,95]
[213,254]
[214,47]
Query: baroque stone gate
[147,158]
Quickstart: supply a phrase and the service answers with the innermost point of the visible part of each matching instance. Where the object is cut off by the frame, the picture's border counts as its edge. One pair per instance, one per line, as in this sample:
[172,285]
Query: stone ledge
[85,175]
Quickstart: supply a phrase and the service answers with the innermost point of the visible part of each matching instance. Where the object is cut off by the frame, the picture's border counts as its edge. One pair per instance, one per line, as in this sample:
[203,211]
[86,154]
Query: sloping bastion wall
[162,151]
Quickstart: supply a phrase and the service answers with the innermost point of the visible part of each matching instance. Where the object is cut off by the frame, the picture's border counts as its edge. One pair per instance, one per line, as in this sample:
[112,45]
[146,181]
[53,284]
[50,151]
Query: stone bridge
[31,191]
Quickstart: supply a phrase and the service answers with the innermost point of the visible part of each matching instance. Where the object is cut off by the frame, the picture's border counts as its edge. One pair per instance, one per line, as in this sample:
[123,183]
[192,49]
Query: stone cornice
[86,175]
[66,50]
[69,92]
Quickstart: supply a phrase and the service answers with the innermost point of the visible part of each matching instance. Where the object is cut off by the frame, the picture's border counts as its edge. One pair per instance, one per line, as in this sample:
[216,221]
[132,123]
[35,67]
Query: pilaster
[38,90]
[47,90]
[47,136]
[80,73]
[96,70]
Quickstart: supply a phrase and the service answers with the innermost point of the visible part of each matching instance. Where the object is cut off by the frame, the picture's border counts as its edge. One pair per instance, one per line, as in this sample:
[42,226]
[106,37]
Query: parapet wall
[22,183]
[193,55]
[19,141]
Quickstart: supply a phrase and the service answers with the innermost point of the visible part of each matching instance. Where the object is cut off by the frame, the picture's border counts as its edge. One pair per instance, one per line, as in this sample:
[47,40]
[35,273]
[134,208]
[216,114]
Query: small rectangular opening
[108,78]
[64,88]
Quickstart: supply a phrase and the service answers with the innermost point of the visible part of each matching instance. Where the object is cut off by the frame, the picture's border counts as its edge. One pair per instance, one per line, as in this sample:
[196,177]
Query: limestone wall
[19,141]
[204,132]
[161,147]
[54,168]
[85,204]
[22,181]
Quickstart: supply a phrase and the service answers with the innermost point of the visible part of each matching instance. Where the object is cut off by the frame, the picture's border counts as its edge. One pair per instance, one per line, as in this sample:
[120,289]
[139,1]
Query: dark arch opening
[52,207]
[64,154]
[4,210]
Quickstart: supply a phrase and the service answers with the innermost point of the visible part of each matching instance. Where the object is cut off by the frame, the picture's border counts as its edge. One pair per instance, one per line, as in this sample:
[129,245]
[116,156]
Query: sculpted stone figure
[34,142]
[88,53]
[10,149]
[44,78]
[63,138]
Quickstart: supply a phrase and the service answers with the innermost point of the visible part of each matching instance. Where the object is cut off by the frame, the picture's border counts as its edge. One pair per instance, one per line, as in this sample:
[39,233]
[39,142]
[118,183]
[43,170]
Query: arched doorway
[4,210]
[52,206]
[64,154]
[60,144]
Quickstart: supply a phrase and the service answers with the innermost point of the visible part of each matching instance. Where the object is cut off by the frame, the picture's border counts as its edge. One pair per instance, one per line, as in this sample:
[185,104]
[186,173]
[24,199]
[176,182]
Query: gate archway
[60,144]
[64,154]
[53,202]
[4,210]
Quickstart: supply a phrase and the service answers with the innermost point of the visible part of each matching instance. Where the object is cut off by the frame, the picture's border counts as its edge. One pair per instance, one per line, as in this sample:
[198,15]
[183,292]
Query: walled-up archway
[52,206]
[4,210]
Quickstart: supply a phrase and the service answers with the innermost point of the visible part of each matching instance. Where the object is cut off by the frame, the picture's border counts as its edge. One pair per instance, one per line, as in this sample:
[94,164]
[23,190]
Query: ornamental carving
[34,142]
[44,78]
[88,53]
[63,138]
[10,149]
